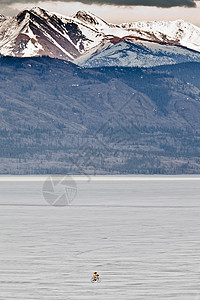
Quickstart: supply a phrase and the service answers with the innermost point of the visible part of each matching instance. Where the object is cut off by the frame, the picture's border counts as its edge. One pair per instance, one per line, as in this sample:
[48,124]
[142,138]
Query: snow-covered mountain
[176,32]
[38,32]
[135,52]
[88,40]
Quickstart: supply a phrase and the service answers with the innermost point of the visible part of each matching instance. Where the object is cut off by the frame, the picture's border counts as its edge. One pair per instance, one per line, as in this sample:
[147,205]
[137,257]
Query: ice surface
[140,234]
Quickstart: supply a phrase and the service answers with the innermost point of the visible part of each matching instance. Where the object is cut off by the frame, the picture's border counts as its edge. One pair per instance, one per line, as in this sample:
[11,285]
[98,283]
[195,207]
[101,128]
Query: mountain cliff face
[90,41]
[56,117]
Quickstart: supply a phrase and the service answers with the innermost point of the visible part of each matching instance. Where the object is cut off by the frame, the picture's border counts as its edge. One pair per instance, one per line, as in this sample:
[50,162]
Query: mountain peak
[88,17]
[35,10]
[22,15]
[38,10]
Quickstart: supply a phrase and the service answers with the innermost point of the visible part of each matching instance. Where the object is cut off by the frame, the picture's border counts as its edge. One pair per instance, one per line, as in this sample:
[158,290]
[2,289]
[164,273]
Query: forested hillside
[58,118]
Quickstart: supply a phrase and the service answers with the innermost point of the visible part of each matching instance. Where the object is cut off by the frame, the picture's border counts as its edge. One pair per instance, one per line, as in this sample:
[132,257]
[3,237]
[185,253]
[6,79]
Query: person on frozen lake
[95,276]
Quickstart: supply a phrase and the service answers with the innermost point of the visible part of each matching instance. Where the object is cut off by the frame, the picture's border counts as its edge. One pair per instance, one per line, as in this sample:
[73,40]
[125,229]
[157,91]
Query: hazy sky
[115,11]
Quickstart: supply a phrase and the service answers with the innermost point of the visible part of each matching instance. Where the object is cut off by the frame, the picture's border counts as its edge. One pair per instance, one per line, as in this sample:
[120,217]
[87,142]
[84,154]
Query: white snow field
[142,234]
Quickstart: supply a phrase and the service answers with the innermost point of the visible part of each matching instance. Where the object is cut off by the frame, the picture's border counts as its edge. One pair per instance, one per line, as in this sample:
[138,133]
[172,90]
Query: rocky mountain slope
[94,42]
[56,117]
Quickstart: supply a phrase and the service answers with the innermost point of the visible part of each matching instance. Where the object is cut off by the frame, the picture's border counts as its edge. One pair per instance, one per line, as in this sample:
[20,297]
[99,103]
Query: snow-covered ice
[141,234]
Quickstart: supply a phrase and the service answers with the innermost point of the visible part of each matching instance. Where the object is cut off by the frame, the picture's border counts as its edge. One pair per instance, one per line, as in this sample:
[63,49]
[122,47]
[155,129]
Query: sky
[115,11]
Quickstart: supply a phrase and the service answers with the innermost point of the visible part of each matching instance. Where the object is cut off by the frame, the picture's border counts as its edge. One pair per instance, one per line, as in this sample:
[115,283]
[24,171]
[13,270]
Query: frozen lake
[142,234]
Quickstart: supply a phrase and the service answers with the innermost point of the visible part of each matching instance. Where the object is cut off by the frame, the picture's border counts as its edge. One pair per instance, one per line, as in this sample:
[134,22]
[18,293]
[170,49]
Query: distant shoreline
[41,178]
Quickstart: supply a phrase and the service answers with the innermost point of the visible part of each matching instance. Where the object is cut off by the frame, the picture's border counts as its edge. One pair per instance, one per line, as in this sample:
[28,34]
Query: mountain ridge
[37,32]
[135,52]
